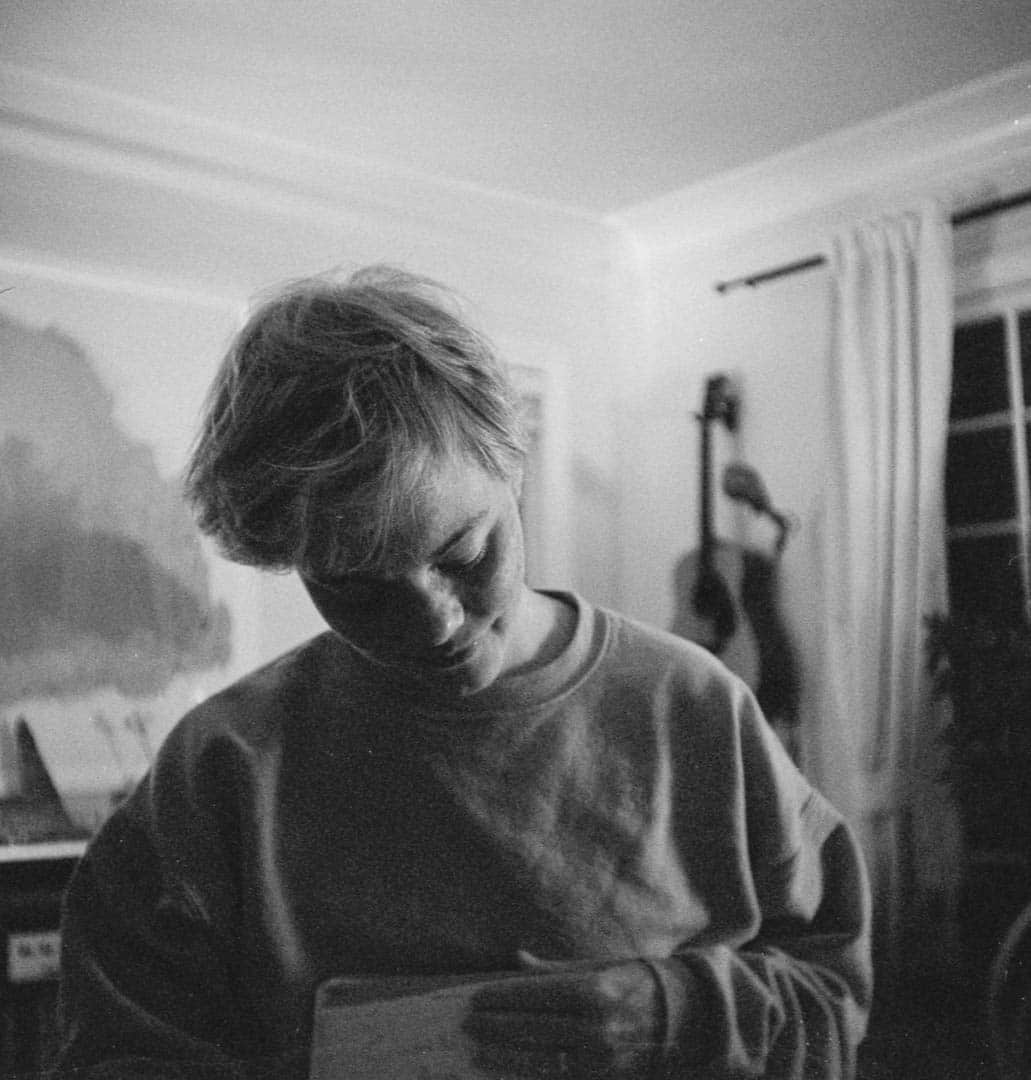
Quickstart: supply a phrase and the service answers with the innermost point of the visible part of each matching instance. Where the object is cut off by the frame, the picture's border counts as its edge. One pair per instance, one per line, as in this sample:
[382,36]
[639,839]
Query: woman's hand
[597,1023]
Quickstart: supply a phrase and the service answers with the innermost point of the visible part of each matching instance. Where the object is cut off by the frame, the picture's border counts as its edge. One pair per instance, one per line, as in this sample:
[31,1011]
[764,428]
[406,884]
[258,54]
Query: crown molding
[961,135]
[80,125]
[17,262]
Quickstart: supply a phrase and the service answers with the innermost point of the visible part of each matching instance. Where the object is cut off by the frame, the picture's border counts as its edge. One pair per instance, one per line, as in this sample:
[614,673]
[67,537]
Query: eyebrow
[358,570]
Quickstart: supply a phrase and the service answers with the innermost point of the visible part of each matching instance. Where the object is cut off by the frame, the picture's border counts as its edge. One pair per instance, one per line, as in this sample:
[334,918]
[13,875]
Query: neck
[546,628]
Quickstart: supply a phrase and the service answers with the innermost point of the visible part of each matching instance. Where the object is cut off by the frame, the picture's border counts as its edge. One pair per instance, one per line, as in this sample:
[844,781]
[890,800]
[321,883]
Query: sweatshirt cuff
[689,1022]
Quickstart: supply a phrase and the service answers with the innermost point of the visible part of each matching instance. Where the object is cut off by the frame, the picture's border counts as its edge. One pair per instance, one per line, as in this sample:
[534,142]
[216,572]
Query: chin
[460,684]
[463,681]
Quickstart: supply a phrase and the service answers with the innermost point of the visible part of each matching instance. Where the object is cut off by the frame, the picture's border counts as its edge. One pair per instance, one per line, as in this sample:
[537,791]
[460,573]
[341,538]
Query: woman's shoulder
[254,708]
[636,645]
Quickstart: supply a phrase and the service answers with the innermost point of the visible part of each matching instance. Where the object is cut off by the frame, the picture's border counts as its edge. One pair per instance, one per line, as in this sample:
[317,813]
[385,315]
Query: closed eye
[464,565]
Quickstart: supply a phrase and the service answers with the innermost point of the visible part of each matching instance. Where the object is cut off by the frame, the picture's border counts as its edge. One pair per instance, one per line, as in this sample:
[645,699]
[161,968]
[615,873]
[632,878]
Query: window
[988,500]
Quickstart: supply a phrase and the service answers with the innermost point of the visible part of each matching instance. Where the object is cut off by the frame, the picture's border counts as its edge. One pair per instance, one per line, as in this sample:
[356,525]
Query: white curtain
[873,745]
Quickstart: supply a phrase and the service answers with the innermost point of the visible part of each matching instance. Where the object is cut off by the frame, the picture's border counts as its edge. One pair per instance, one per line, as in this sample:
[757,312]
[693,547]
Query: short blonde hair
[326,409]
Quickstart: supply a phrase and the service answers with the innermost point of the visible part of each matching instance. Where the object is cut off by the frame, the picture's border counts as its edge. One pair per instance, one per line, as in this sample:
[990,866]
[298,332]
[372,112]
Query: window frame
[1008,303]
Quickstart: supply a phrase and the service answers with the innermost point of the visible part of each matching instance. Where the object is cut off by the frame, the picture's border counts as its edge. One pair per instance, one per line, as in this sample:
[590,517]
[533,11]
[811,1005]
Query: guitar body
[709,607]
[725,595]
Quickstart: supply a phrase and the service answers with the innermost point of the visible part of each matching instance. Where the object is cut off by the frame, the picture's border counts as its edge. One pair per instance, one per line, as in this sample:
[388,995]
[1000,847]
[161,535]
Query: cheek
[363,620]
[502,588]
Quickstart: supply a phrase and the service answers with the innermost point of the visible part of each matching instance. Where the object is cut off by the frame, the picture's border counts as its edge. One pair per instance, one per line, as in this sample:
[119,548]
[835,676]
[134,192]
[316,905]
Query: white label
[33,955]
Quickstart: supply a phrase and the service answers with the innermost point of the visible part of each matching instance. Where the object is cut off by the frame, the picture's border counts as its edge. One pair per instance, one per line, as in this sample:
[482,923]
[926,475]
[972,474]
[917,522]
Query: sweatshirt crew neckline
[522,691]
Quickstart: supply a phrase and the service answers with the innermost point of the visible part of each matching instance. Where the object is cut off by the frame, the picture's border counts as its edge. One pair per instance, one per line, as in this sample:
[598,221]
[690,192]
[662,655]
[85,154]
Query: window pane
[979,381]
[984,578]
[979,477]
[1024,329]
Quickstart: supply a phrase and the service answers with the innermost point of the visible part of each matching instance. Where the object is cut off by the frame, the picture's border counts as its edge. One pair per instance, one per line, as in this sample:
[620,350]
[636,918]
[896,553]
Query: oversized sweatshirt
[625,802]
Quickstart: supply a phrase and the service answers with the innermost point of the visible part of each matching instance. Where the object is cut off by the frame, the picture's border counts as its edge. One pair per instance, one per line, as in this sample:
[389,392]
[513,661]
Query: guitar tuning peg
[722,402]
[732,411]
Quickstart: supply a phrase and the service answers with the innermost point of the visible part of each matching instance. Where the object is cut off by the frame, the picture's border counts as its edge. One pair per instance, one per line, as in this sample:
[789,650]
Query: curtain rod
[810,263]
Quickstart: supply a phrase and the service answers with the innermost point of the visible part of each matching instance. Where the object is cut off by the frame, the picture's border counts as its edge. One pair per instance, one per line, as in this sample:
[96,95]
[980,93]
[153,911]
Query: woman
[462,775]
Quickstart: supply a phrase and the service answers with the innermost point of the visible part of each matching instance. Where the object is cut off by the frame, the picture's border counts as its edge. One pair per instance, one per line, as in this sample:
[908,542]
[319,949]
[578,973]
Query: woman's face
[444,608]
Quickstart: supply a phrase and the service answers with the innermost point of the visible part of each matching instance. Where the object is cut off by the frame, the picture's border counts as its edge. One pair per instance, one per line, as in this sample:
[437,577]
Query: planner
[401,1028]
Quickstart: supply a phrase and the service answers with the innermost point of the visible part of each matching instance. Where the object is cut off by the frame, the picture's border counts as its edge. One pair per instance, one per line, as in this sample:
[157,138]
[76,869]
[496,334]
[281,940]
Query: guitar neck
[706,537]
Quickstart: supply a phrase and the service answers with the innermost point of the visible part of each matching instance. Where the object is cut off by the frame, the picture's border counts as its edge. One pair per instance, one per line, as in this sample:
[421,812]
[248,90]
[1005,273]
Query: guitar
[708,583]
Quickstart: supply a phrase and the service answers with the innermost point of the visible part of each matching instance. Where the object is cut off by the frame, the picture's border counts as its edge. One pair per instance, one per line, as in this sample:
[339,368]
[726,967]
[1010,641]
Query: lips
[451,657]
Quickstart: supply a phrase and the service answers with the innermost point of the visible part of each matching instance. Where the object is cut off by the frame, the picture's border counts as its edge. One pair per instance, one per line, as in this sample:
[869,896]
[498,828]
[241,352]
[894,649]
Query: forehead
[443,501]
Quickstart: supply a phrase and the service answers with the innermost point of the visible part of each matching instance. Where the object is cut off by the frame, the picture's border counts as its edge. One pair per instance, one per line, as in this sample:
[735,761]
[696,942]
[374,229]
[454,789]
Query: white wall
[772,344]
[964,148]
[107,189]
[128,201]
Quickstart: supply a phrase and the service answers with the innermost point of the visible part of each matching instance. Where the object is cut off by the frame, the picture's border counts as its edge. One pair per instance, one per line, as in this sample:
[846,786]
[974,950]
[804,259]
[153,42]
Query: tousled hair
[329,405]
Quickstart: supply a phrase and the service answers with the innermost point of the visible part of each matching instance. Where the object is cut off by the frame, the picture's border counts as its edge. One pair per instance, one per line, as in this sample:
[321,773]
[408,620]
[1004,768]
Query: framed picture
[116,617]
[545,500]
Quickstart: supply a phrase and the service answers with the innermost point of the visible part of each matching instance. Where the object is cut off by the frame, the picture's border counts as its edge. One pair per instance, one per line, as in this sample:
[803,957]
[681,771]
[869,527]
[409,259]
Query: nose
[440,611]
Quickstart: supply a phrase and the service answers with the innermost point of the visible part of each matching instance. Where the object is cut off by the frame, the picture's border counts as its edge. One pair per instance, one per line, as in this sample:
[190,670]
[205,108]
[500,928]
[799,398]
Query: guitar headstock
[721,402]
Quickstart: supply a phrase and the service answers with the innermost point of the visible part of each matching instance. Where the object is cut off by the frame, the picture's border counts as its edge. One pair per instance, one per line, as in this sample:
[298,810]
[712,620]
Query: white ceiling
[596,105]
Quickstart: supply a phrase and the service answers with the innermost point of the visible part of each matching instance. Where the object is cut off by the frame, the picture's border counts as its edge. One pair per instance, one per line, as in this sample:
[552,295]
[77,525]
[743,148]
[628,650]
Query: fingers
[626,992]
[511,1064]
[554,1031]
[547,992]
[601,1022]
[578,1063]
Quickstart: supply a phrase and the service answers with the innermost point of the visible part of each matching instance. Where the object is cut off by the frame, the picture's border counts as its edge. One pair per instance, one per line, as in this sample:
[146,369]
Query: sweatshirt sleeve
[792,1002]
[148,990]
